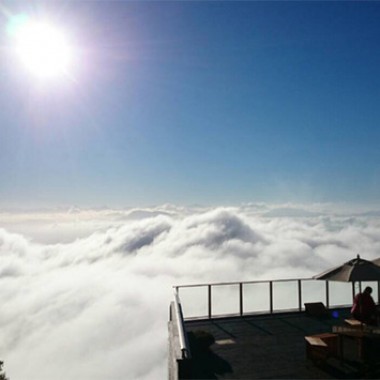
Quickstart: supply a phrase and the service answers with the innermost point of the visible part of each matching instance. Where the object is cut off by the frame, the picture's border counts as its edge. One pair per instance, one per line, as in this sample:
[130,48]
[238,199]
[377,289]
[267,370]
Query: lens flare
[41,47]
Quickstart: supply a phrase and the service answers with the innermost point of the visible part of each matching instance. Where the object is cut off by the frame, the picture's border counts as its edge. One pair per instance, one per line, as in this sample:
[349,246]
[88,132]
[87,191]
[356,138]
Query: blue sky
[196,102]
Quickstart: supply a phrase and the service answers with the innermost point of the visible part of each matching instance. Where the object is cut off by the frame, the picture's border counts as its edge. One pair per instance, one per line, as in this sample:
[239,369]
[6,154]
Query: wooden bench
[352,322]
[315,341]
[321,346]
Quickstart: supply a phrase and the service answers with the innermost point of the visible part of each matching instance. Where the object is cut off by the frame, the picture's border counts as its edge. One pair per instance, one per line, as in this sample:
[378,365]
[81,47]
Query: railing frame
[271,310]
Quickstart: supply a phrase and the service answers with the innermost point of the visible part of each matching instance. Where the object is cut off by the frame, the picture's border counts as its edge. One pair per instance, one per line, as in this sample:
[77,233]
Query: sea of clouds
[85,293]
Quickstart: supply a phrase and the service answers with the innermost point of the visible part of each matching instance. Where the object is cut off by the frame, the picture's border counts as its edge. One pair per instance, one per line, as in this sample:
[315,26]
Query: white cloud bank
[92,302]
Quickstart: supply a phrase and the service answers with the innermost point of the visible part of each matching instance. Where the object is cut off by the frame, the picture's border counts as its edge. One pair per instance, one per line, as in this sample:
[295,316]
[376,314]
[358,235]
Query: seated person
[364,308]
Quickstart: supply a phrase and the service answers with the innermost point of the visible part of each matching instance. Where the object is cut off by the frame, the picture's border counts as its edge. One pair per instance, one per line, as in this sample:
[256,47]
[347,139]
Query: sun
[41,47]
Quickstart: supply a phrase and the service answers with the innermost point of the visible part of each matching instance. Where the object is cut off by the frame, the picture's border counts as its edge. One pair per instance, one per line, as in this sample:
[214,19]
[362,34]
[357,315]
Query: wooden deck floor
[262,347]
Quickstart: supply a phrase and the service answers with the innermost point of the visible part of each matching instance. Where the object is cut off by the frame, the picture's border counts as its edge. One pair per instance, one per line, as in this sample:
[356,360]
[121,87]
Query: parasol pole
[360,294]
[360,304]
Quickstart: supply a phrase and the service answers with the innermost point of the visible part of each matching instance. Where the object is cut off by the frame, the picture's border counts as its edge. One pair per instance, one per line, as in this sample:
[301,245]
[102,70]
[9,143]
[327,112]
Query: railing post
[241,298]
[299,296]
[378,291]
[271,297]
[327,295]
[209,302]
[176,291]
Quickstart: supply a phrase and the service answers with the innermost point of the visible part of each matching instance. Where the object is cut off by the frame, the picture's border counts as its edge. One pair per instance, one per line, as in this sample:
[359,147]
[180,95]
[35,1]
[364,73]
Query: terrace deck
[263,347]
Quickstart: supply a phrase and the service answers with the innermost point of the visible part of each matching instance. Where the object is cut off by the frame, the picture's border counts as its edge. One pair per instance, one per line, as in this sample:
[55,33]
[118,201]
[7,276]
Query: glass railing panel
[225,299]
[256,297]
[313,291]
[285,295]
[340,293]
[194,301]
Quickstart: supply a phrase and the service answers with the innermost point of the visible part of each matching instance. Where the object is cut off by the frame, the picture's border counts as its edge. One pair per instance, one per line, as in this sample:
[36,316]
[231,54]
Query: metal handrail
[183,341]
[243,282]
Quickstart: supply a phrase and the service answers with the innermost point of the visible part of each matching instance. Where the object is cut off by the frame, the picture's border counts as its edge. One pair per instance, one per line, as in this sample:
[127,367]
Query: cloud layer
[92,303]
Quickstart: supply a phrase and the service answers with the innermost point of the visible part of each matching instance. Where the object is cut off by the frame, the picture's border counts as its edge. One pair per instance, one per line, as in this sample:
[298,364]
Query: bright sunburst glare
[41,47]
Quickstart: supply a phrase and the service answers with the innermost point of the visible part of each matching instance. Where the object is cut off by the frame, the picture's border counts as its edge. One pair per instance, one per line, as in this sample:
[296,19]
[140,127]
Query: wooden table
[360,346]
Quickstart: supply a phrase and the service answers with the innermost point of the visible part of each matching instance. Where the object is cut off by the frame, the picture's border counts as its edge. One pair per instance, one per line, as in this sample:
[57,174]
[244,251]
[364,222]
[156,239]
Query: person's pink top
[367,307]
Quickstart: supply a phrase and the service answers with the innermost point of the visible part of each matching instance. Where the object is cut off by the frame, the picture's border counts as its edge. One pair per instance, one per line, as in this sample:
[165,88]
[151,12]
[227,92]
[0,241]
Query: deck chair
[317,309]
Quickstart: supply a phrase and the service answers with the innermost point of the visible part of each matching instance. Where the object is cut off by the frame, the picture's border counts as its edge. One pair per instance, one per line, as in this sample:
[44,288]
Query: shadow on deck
[261,347]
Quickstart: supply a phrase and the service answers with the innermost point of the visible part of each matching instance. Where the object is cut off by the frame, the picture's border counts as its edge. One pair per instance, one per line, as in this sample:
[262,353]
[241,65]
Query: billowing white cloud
[94,305]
